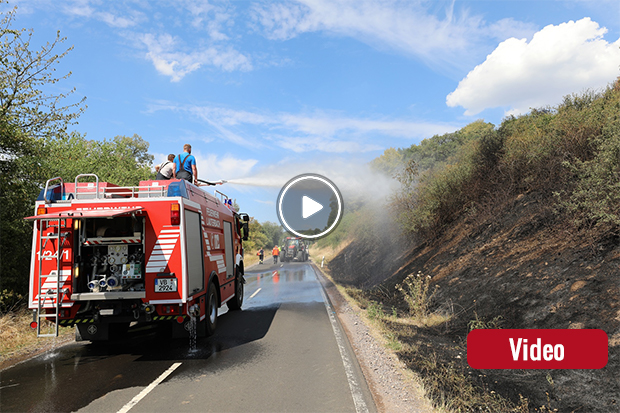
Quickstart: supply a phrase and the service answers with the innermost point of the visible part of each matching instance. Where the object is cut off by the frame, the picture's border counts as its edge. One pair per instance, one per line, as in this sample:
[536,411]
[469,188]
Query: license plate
[165,285]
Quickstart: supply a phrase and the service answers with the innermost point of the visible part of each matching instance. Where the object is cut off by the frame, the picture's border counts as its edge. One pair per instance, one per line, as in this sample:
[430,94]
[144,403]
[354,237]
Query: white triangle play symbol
[309,207]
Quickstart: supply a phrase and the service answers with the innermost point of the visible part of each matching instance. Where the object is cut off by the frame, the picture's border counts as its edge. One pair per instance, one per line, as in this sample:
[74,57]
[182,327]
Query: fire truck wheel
[211,318]
[236,303]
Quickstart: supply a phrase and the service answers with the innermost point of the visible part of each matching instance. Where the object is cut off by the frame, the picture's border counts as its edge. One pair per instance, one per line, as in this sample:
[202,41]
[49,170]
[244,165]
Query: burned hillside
[520,231]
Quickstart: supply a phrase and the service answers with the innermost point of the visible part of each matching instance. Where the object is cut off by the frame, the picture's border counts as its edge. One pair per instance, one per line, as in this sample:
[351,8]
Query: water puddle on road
[289,283]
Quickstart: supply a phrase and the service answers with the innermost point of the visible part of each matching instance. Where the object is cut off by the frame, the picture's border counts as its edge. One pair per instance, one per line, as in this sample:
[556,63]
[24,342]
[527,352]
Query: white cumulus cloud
[559,60]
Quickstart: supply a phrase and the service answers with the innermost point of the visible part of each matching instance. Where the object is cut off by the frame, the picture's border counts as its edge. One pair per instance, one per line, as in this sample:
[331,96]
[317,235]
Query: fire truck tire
[211,309]
[237,301]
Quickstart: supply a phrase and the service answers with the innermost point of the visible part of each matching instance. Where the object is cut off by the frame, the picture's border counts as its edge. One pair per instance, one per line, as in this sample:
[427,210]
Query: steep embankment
[517,227]
[518,268]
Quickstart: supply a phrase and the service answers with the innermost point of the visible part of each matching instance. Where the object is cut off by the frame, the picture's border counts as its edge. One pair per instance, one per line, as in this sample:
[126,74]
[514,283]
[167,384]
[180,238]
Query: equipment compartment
[110,256]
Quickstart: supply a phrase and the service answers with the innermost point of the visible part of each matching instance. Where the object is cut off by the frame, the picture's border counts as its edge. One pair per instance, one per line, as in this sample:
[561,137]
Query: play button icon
[309,206]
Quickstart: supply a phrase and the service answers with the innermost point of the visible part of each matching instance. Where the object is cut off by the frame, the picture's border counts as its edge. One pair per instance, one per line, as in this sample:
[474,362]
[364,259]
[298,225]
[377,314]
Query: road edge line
[356,391]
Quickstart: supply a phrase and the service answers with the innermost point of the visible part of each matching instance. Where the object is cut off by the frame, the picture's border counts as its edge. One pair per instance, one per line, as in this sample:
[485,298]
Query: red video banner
[537,349]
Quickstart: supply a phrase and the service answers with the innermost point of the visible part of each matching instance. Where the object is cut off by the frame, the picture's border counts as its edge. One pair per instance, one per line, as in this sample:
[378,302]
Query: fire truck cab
[105,257]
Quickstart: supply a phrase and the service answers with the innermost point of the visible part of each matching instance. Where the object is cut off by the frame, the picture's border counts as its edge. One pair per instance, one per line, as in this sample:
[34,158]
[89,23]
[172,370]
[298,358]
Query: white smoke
[354,178]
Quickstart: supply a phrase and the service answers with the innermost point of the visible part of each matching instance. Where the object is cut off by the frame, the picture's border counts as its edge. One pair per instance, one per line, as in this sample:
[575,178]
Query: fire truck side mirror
[246,230]
[245,226]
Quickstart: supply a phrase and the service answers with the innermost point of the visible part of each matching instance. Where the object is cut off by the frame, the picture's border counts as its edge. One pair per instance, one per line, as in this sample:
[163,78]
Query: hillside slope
[521,269]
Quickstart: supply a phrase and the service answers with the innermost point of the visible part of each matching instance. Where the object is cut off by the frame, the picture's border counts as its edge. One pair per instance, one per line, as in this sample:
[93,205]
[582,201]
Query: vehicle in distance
[295,248]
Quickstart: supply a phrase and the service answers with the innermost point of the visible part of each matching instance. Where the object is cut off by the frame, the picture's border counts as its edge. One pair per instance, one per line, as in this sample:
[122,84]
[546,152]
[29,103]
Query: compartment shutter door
[230,253]
[195,254]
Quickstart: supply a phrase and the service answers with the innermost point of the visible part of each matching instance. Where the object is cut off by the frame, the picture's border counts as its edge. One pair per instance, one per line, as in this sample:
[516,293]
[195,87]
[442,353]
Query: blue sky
[264,91]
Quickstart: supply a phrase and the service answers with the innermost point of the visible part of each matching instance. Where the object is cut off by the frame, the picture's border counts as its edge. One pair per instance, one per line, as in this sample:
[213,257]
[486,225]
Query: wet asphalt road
[280,353]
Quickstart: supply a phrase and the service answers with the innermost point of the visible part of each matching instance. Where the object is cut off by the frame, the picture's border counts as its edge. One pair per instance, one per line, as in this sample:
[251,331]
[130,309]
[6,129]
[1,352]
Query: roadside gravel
[394,388]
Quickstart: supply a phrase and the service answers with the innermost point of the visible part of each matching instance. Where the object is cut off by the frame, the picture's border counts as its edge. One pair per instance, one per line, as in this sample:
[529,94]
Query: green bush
[572,150]
[439,196]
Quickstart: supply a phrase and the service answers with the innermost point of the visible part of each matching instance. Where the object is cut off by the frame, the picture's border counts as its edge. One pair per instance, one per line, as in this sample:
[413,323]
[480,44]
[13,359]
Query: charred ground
[517,226]
[519,268]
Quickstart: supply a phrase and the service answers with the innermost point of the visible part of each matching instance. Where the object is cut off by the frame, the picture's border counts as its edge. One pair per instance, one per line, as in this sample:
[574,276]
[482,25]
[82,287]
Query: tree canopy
[23,76]
[122,160]
[35,145]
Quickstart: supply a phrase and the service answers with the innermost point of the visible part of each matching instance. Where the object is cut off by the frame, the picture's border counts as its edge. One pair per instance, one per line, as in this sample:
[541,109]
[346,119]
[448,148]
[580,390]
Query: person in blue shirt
[185,165]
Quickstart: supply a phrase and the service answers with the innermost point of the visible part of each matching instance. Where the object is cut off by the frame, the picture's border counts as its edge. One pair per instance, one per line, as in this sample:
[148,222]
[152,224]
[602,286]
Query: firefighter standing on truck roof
[276,253]
[185,165]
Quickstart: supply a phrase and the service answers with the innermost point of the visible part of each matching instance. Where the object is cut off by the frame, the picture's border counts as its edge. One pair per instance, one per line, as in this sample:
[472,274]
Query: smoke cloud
[354,179]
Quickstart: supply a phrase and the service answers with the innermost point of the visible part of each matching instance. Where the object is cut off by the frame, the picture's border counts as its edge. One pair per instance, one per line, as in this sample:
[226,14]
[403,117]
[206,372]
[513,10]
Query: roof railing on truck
[47,191]
[121,192]
[221,196]
[61,193]
[92,189]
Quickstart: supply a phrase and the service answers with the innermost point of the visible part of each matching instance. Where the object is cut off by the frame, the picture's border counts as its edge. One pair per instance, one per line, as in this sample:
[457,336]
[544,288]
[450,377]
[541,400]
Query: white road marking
[148,389]
[356,391]
[255,292]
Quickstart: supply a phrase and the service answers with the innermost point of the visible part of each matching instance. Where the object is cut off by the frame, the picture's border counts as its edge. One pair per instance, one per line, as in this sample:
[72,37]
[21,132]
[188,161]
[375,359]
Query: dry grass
[15,332]
[444,381]
[328,252]
[249,260]
[18,339]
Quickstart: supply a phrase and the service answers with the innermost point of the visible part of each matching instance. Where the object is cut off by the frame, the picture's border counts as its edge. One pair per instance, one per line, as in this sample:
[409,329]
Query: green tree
[28,115]
[24,75]
[122,160]
[440,150]
[17,194]
[390,162]
[257,238]
[34,145]
[273,232]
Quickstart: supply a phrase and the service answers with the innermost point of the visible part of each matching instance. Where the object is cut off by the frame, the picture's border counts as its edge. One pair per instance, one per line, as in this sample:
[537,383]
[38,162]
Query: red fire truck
[105,257]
